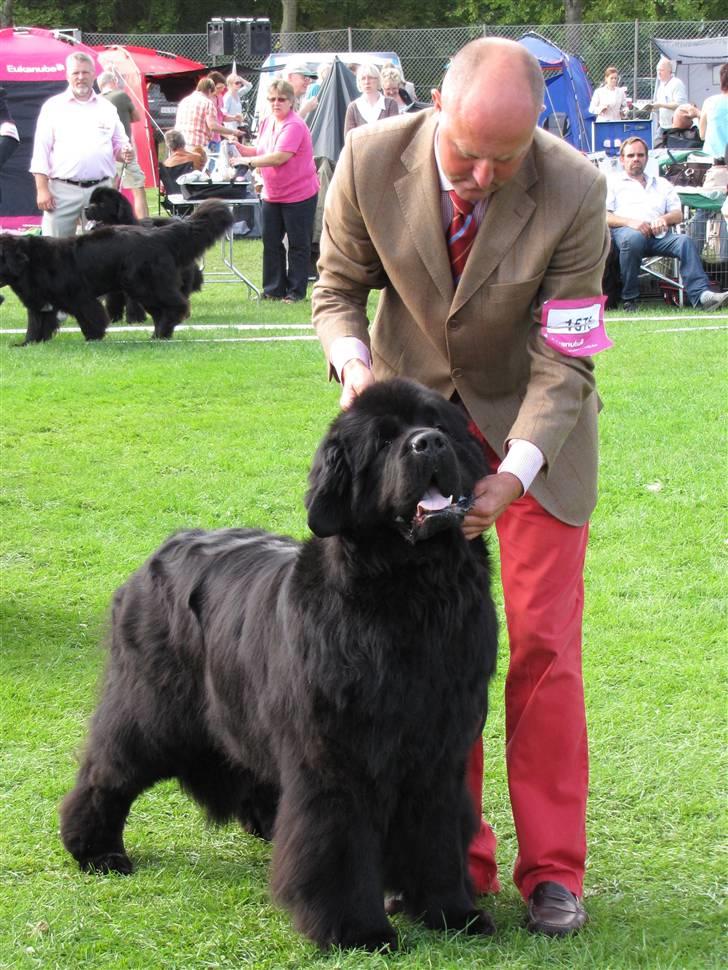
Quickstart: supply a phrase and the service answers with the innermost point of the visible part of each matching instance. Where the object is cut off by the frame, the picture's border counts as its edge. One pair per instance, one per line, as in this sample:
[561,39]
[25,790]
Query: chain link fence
[424,53]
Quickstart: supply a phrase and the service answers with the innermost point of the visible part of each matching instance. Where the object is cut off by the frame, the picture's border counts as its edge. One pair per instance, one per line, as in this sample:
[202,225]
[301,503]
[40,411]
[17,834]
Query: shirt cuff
[344,349]
[524,460]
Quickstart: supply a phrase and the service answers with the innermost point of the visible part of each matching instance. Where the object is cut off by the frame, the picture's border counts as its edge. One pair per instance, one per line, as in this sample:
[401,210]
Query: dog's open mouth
[434,513]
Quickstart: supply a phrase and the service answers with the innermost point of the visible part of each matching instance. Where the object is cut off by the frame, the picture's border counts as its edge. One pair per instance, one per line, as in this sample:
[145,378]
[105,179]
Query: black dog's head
[109,208]
[400,458]
[14,258]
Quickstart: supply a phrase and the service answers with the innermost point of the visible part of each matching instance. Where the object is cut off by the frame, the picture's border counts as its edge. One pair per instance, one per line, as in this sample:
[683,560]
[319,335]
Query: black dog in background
[324,693]
[146,264]
[107,207]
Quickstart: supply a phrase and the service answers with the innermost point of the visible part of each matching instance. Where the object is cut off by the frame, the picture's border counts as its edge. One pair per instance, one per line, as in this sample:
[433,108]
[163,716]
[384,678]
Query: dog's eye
[384,443]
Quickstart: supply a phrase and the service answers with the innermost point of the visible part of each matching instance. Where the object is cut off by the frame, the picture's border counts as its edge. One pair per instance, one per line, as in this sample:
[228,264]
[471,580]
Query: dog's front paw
[380,939]
[107,862]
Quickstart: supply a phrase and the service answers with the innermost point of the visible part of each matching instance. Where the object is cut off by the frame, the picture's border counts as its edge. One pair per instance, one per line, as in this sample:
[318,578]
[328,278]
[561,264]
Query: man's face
[664,72]
[81,76]
[299,83]
[477,156]
[634,159]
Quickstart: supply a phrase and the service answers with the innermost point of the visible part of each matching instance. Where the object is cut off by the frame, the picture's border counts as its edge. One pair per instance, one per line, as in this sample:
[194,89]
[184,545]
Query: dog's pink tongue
[433,501]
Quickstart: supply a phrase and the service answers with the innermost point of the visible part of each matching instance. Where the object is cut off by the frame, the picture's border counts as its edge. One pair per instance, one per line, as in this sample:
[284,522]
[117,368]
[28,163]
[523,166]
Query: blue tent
[568,92]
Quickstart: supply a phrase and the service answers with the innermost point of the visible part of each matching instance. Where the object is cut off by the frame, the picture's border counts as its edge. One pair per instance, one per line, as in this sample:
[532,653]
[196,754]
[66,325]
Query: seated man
[640,210]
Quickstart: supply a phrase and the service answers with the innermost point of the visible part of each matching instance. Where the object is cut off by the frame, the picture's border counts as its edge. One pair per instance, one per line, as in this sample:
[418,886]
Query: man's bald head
[488,109]
[493,67]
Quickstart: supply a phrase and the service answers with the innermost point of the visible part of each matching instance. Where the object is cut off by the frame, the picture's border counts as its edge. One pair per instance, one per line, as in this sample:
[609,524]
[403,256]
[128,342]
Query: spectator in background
[393,87]
[372,105]
[79,138]
[300,76]
[640,211]
[129,174]
[683,133]
[713,124]
[9,137]
[609,101]
[237,88]
[197,117]
[284,155]
[322,73]
[179,154]
[669,94]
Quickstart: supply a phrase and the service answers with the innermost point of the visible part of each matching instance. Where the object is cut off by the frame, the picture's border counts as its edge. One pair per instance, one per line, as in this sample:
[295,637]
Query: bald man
[475,333]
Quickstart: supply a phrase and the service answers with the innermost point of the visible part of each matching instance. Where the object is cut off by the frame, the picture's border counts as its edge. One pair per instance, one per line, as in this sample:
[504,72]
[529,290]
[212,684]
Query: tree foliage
[191,16]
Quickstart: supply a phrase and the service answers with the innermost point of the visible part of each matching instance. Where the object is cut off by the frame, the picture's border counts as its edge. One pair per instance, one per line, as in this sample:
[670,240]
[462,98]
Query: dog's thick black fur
[325,693]
[144,263]
[107,207]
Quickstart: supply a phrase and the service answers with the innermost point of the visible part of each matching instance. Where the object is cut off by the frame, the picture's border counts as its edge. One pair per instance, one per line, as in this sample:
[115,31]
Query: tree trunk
[573,11]
[290,15]
[6,17]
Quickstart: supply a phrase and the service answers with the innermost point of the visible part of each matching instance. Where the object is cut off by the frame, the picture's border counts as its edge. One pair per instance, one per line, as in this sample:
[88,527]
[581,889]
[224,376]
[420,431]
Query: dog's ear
[328,499]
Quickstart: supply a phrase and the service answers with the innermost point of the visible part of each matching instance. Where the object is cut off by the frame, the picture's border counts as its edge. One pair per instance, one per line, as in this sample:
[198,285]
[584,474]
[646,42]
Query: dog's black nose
[429,442]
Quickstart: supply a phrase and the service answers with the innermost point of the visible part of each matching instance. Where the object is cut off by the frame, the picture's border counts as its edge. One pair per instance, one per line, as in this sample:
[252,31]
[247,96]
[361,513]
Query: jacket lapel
[418,192]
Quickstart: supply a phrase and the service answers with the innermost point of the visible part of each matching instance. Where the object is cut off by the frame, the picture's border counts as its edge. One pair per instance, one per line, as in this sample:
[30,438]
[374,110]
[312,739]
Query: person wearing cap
[299,75]
[79,138]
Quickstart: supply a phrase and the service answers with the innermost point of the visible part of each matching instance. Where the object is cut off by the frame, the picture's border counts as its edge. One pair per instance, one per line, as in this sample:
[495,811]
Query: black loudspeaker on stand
[254,34]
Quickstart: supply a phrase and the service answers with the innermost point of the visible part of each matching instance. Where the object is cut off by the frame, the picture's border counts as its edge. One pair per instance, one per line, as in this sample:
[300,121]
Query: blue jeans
[633,247]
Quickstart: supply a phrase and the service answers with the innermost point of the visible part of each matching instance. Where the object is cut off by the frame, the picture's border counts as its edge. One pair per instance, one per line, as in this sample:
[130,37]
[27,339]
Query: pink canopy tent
[32,68]
[137,66]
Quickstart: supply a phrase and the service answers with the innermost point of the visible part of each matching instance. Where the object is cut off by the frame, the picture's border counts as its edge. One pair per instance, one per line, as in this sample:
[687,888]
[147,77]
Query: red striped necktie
[460,234]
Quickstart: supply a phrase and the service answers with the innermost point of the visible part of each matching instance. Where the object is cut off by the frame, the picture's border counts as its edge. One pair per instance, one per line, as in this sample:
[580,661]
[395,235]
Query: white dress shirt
[77,139]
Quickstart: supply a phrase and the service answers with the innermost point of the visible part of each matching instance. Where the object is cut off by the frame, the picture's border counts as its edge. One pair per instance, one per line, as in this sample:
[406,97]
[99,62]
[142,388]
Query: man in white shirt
[640,211]
[78,140]
[670,93]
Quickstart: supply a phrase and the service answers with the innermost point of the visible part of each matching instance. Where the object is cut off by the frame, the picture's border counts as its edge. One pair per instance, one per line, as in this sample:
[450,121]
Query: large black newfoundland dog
[107,207]
[146,264]
[325,694]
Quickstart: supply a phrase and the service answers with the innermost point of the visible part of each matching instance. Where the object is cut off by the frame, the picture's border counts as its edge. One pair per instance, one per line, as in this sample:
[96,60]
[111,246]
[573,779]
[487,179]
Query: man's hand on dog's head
[355,377]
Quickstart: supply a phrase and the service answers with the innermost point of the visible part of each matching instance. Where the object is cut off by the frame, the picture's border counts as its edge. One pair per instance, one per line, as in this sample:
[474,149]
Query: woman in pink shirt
[284,155]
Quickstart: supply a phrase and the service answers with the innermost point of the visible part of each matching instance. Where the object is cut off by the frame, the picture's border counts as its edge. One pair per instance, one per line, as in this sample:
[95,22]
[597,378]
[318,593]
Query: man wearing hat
[300,75]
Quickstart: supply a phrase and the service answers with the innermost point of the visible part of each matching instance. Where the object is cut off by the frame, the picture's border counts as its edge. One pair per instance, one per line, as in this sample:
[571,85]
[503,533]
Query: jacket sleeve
[350,266]
[559,384]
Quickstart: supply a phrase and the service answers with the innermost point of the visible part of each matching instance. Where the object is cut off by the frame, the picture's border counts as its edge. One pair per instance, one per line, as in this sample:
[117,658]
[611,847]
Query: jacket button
[456,373]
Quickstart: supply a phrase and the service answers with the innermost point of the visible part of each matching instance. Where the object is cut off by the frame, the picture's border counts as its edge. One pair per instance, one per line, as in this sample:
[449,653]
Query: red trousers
[542,565]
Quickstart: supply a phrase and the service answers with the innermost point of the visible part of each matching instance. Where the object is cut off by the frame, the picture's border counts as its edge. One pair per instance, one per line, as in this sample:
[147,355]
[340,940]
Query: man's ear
[328,499]
[436,99]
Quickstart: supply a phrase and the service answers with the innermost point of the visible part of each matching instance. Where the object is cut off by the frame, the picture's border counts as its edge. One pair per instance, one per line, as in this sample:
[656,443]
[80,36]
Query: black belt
[84,184]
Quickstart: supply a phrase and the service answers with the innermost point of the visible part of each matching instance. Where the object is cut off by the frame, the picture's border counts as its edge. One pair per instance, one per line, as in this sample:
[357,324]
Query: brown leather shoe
[555,911]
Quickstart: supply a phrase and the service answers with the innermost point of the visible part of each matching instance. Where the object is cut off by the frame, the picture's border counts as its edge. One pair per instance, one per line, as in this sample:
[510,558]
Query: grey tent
[327,132]
[697,63]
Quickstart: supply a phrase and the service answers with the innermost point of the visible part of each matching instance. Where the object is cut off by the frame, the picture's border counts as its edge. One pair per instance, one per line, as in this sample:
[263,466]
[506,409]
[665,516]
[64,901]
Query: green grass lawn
[107,448]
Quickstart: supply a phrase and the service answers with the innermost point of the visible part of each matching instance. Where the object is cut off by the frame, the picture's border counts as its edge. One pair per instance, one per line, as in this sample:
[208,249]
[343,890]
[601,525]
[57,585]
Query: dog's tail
[189,238]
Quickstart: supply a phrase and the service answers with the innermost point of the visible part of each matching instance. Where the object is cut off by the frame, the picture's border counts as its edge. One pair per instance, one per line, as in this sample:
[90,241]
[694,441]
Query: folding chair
[169,196]
[666,269]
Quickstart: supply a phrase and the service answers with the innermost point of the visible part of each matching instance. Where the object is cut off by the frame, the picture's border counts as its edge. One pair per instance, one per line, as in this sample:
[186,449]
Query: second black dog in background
[107,207]
[145,264]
